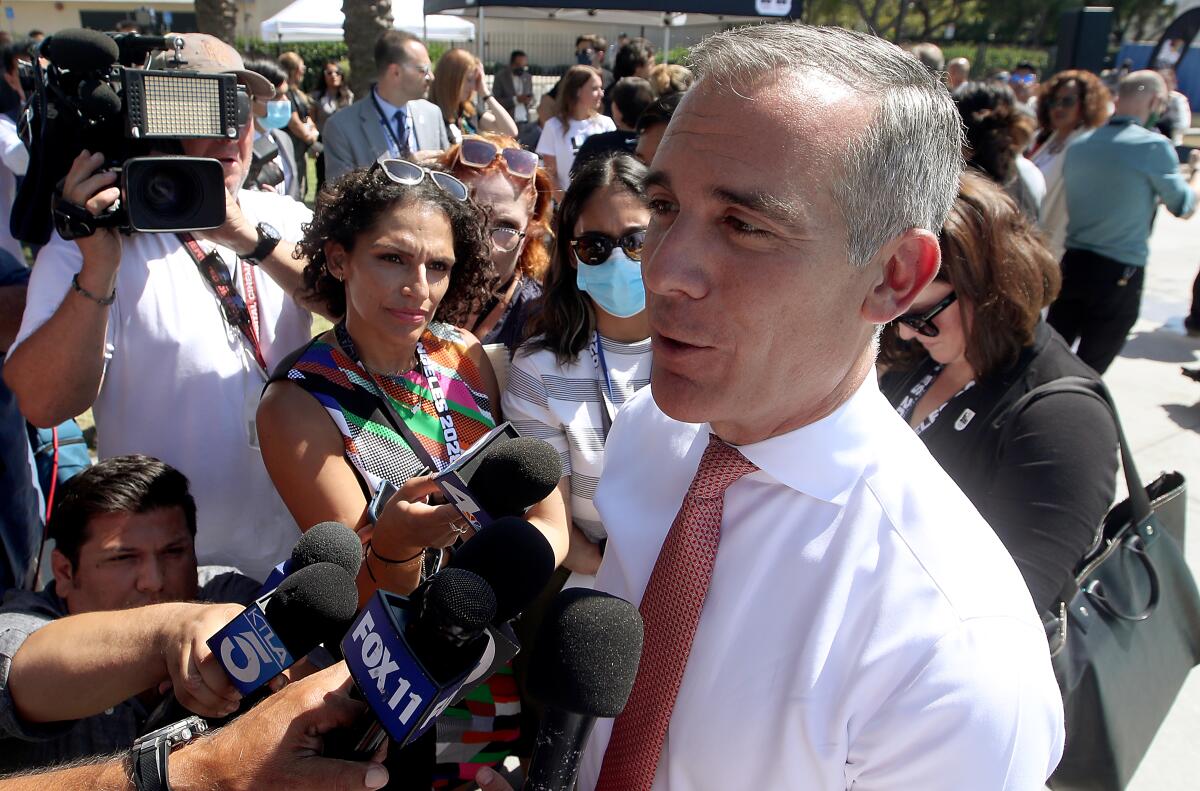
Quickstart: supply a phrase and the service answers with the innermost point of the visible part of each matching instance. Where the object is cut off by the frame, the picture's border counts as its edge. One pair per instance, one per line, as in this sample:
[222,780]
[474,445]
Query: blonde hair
[453,70]
[668,78]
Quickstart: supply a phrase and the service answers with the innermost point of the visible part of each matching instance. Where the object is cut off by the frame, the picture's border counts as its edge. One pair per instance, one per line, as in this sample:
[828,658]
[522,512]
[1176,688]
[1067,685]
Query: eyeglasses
[425,69]
[505,239]
[411,174]
[594,249]
[1065,102]
[922,323]
[477,152]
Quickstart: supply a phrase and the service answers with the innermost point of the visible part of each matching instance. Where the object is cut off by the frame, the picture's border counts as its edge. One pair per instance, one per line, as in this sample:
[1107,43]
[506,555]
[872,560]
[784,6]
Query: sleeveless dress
[482,729]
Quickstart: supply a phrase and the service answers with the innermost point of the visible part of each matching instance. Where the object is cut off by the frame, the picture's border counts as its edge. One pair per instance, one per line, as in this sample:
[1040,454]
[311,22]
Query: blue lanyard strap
[603,383]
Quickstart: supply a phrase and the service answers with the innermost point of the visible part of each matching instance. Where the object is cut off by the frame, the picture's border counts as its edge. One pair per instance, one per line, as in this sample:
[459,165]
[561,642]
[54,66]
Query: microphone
[409,656]
[78,50]
[516,560]
[502,475]
[330,542]
[584,666]
[312,605]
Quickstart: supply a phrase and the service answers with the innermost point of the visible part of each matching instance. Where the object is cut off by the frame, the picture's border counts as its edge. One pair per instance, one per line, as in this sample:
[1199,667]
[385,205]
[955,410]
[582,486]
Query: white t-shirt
[14,159]
[1049,159]
[564,147]
[864,628]
[179,383]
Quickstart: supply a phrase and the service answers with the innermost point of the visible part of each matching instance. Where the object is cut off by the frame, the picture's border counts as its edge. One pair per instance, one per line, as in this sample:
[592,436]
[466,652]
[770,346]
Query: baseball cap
[209,54]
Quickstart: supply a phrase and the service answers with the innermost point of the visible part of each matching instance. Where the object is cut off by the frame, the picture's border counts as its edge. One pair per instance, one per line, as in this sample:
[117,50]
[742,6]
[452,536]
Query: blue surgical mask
[615,285]
[278,114]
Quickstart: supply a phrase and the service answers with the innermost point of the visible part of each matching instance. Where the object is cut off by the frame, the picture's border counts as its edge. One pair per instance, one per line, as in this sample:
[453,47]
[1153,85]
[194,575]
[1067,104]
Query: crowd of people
[688,282]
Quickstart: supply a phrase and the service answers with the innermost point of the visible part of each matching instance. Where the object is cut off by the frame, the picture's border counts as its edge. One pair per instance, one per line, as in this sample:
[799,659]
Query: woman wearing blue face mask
[589,349]
[270,119]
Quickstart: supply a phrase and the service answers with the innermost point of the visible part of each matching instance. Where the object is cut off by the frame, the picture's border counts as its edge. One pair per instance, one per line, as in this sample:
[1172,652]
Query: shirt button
[109,711]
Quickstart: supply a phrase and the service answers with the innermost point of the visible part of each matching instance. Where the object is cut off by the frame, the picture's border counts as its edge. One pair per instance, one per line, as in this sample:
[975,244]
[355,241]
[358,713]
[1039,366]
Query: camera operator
[270,121]
[79,670]
[132,326]
[275,745]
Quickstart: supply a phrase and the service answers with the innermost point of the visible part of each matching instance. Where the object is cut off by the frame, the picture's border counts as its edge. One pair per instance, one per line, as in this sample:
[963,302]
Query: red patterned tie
[670,610]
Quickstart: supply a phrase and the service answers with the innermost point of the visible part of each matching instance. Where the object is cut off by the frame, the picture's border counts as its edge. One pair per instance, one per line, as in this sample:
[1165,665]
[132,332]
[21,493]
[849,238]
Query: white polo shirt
[864,628]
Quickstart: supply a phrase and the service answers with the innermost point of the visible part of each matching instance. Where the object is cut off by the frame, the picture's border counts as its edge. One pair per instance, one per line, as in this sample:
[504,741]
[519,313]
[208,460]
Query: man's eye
[661,206]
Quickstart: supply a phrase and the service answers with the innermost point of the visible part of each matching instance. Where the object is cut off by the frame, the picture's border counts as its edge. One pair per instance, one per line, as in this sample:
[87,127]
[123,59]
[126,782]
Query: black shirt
[1046,490]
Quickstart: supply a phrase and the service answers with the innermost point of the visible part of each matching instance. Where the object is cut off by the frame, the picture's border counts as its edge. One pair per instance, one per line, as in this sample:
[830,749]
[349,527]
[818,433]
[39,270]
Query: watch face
[269,231]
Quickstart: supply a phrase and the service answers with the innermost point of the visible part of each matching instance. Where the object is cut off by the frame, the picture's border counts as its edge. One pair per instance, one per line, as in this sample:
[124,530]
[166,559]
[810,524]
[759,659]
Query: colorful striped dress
[481,730]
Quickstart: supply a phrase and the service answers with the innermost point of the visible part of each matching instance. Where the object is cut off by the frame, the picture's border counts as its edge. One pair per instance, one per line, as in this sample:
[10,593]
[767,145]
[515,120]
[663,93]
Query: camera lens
[169,190]
[174,193]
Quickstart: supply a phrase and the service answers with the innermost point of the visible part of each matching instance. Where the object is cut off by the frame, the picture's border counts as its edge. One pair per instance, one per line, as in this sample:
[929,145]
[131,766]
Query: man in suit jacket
[513,85]
[393,117]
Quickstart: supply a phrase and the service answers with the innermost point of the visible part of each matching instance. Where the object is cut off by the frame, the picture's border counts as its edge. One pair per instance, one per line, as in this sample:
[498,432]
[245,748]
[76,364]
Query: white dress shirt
[864,628]
[407,134]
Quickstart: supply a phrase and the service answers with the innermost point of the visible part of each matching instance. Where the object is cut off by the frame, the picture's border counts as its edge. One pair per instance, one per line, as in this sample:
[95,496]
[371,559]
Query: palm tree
[365,20]
[217,18]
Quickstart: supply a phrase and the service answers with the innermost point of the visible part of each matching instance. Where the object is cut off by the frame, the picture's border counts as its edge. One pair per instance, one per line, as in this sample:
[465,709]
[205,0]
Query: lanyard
[241,314]
[401,148]
[603,383]
[453,447]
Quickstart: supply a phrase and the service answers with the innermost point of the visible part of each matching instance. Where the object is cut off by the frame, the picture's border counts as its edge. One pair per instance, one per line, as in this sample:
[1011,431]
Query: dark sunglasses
[410,174]
[594,249]
[922,322]
[476,152]
[1065,102]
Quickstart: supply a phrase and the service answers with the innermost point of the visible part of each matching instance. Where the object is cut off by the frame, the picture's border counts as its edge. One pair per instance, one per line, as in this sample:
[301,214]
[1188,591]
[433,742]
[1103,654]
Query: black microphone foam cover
[514,475]
[460,598]
[99,99]
[587,653]
[78,49]
[328,542]
[516,560]
[312,605]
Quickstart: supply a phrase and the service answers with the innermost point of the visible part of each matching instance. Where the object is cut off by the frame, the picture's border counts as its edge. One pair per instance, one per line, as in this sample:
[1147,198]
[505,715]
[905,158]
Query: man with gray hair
[1115,177]
[823,607]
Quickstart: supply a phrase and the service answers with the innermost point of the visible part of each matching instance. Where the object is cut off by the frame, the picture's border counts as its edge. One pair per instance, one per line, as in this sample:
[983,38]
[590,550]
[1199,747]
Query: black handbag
[1127,630]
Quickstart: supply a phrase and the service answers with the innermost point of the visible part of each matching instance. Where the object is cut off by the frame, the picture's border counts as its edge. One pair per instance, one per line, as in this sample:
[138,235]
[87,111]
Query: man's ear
[64,572]
[904,266]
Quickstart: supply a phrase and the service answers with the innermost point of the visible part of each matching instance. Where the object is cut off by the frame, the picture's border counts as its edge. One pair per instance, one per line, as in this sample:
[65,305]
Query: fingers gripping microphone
[502,475]
[312,605]
[330,542]
[410,656]
[586,661]
[80,50]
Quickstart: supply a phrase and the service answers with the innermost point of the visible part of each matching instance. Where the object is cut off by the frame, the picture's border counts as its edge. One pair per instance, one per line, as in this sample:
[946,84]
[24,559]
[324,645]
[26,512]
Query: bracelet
[371,549]
[104,301]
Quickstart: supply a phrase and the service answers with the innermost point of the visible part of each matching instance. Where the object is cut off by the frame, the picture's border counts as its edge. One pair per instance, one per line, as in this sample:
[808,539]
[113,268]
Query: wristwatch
[148,756]
[268,238]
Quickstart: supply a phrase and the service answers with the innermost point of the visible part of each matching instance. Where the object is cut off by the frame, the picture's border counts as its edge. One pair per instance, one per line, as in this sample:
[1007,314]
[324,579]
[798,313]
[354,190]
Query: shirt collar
[827,458]
[389,109]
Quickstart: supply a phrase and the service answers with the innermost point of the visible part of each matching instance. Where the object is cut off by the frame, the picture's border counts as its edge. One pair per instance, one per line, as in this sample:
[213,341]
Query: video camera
[98,92]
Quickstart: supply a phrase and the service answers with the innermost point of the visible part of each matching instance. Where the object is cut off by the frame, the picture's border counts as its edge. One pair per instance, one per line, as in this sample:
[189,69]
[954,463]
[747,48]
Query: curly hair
[995,261]
[1093,100]
[353,204]
[535,258]
[997,132]
[567,320]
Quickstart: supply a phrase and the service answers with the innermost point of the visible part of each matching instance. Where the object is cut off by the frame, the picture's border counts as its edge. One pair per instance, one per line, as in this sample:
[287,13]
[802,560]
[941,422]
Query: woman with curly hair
[1041,473]
[506,182]
[1070,103]
[997,133]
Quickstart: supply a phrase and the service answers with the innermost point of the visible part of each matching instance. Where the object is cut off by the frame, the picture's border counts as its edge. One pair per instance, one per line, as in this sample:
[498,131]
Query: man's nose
[150,576]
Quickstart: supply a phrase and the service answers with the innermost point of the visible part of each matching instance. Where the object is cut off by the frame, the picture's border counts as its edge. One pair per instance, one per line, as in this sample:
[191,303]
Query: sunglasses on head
[921,322]
[594,249]
[477,152]
[410,174]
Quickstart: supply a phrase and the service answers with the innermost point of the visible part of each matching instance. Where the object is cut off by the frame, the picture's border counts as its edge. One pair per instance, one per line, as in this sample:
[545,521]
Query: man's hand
[278,744]
[96,192]
[199,682]
[490,780]
[238,233]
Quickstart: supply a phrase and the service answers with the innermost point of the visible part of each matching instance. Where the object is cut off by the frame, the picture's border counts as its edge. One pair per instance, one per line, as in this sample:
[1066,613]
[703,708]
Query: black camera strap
[214,271]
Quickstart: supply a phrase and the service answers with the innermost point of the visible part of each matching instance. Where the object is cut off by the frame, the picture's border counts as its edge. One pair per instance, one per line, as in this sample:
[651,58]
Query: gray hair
[902,171]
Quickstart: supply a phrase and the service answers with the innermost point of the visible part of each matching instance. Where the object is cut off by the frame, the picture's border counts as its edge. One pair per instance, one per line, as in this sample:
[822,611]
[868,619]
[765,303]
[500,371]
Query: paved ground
[1160,410]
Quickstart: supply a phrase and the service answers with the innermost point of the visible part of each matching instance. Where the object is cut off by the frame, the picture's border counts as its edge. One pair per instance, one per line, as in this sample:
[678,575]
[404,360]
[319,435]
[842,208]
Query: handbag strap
[1139,501]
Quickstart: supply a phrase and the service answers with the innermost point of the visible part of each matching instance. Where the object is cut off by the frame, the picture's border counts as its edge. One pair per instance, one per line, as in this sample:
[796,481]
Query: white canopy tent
[321,20]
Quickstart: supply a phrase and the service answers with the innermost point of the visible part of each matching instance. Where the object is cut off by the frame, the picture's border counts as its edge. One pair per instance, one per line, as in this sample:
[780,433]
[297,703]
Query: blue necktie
[401,132]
